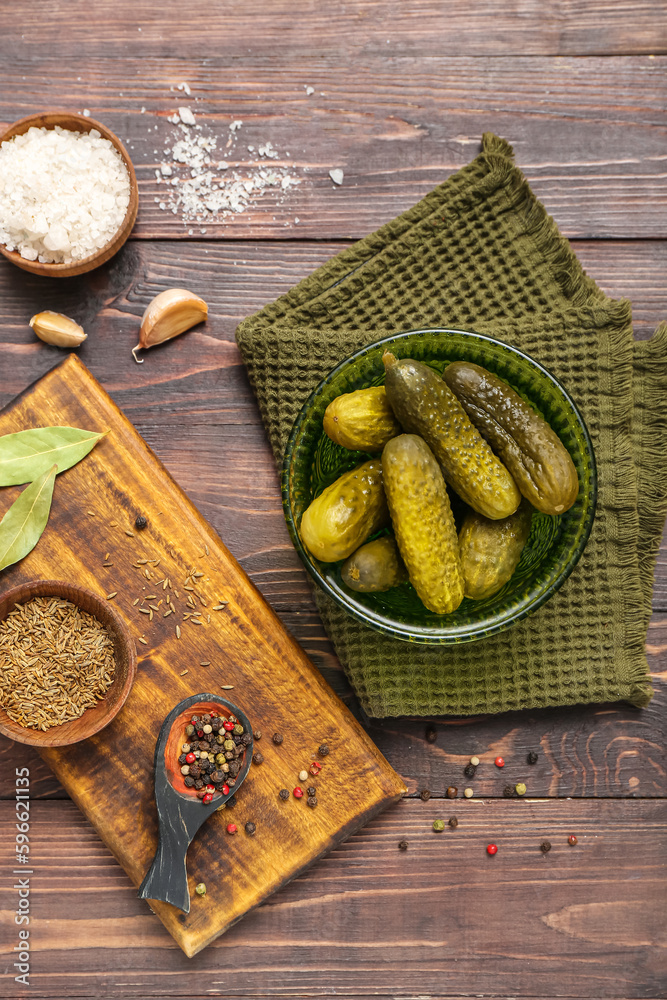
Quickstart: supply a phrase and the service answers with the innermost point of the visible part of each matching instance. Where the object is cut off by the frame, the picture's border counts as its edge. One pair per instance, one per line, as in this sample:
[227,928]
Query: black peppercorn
[323,750]
[453,822]
[311,790]
[284,794]
[277,739]
[231,801]
[182,759]
[431,735]
[312,801]
[258,758]
[189,782]
[257,734]
[246,739]
[250,829]
[198,783]
[140,522]
[545,847]
[425,795]
[532,757]
[508,791]
[402,845]
[452,792]
[469,770]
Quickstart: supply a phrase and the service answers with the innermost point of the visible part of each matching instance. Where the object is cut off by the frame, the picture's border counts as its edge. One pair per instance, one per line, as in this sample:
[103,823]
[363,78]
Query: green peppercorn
[201,889]
[189,730]
[238,729]
[229,744]
[520,789]
[220,758]
[438,825]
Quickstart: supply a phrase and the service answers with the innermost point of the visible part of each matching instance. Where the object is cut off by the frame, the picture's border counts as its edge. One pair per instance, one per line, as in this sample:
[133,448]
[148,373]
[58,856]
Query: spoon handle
[167,877]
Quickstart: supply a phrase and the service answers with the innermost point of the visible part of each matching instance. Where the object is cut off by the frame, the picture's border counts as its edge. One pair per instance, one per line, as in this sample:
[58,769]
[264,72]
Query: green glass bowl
[312,461]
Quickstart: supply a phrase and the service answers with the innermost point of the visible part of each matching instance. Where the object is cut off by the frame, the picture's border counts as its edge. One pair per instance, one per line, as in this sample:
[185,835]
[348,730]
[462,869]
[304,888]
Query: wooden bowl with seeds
[65,654]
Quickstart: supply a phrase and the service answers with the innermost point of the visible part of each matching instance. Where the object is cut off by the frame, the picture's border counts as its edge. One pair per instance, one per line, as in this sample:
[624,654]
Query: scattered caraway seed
[200,889]
[425,795]
[141,639]
[106,565]
[204,663]
[227,687]
[134,603]
[572,840]
[532,757]
[113,524]
[111,596]
[520,789]
[178,632]
[91,512]
[402,845]
[144,611]
[468,792]
[183,673]
[453,822]
[438,825]
[431,735]
[130,534]
[545,847]
[220,607]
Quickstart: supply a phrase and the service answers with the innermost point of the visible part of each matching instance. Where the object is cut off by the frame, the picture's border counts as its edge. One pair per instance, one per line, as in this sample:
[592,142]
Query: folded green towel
[481,253]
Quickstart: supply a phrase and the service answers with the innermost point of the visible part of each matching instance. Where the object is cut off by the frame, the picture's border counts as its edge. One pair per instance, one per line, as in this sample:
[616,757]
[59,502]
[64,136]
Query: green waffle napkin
[480,253]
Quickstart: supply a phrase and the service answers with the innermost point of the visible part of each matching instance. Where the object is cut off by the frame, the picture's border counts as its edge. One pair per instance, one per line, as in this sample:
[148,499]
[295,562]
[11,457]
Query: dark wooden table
[401,94]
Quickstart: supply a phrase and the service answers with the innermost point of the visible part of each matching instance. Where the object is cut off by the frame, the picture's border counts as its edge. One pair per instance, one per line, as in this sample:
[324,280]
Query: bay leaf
[26,455]
[23,524]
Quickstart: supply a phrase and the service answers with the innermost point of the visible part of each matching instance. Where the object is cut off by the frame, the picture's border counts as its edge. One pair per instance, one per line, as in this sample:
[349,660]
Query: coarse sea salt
[63,194]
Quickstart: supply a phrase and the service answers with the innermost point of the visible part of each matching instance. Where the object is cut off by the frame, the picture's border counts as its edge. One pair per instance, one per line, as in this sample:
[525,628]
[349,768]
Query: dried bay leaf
[24,522]
[26,455]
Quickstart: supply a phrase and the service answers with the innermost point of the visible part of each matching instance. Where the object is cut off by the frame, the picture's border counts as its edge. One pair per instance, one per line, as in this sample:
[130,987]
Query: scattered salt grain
[63,194]
[186,116]
[336,175]
[86,113]
[185,87]
[310,90]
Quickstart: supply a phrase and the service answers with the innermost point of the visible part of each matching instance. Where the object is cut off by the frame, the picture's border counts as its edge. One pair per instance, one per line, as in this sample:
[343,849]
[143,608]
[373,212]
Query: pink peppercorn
[491,849]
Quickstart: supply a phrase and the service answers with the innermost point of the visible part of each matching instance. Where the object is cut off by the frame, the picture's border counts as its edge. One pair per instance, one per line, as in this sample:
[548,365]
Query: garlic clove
[170,313]
[54,328]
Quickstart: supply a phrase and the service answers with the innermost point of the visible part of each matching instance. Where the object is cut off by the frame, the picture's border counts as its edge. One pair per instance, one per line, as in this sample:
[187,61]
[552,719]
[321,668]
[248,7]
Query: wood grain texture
[439,917]
[423,29]
[242,644]
[589,133]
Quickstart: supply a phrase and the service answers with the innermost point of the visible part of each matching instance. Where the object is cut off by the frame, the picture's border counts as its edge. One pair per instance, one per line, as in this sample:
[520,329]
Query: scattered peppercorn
[424,795]
[452,792]
[312,801]
[532,757]
[438,825]
[250,829]
[303,775]
[284,794]
[469,770]
[277,739]
[474,761]
[402,845]
[520,789]
[232,828]
[572,840]
[499,762]
[298,793]
[468,792]
[453,822]
[201,889]
[140,522]
[257,734]
[508,791]
[545,847]
[258,758]
[431,735]
[491,849]
[315,768]
[311,790]
[323,750]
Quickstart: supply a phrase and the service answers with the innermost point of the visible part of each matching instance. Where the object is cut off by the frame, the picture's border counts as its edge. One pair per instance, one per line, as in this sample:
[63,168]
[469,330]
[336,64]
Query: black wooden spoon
[180,812]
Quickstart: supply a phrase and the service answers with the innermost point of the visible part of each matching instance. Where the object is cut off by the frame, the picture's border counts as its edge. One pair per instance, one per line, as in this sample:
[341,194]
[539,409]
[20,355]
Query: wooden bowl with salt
[76,123]
[106,708]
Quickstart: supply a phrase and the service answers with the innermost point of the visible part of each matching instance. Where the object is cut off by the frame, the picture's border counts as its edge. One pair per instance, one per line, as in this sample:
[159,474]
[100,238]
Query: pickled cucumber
[531,450]
[423,522]
[490,550]
[375,567]
[361,420]
[425,405]
[345,513]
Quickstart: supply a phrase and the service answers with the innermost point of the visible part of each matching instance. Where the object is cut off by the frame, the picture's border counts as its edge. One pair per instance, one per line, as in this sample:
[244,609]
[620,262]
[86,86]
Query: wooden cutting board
[110,776]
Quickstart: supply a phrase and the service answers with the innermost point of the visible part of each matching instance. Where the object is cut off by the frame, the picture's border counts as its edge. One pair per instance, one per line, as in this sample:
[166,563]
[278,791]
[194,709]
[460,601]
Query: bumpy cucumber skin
[342,517]
[531,450]
[426,406]
[490,550]
[375,567]
[361,420]
[423,522]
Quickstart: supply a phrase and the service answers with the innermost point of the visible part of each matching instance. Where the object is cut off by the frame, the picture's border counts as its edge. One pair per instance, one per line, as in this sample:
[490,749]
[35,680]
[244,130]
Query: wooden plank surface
[401,95]
[240,642]
[440,919]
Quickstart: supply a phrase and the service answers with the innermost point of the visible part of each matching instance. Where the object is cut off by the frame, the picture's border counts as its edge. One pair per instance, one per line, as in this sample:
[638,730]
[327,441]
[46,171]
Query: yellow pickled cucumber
[529,447]
[345,513]
[375,567]
[425,405]
[361,420]
[490,550]
[423,522]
